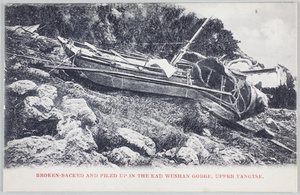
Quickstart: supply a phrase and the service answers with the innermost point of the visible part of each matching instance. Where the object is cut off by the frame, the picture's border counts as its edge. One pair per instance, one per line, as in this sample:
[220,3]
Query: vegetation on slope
[165,27]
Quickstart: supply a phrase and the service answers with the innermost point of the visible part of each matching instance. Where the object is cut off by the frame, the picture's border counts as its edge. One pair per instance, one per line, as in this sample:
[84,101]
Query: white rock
[206,132]
[207,143]
[136,140]
[71,131]
[22,86]
[47,91]
[171,153]
[47,151]
[66,125]
[232,156]
[18,66]
[38,108]
[271,123]
[80,109]
[110,139]
[187,156]
[34,150]
[38,72]
[82,138]
[195,143]
[124,156]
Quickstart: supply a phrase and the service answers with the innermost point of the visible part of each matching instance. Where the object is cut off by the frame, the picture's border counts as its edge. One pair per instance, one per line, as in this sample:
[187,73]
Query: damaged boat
[224,92]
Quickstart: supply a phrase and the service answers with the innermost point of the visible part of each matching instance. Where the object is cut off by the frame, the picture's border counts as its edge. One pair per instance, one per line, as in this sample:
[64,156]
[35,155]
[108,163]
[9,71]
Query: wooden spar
[119,55]
[182,51]
[29,57]
[137,77]
[197,33]
[92,47]
[145,69]
[95,49]
[137,56]
[281,145]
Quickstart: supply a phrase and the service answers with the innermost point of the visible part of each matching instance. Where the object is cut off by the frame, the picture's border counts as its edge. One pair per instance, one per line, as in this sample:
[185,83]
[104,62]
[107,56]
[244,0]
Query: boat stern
[259,103]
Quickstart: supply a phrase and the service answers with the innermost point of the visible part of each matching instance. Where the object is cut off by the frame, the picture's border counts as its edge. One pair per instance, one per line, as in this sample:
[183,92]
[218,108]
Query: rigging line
[62,62]
[172,43]
[29,57]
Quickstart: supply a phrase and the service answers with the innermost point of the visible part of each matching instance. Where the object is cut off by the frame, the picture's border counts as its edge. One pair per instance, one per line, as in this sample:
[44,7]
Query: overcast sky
[267,31]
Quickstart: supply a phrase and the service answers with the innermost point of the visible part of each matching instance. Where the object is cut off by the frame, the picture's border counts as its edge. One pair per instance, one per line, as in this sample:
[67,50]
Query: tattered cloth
[163,64]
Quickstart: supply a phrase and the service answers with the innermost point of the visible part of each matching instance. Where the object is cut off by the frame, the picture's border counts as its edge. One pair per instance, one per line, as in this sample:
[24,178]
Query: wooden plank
[92,47]
[108,61]
[119,55]
[282,146]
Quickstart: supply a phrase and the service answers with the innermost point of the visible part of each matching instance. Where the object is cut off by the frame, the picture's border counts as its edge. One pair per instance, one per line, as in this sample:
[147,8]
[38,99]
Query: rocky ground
[60,118]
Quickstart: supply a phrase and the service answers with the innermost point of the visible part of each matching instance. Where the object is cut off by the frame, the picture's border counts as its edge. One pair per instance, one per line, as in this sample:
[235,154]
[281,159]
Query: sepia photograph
[195,97]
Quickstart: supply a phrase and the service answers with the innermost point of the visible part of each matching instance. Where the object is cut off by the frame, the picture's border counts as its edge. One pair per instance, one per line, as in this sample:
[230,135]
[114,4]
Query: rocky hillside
[61,118]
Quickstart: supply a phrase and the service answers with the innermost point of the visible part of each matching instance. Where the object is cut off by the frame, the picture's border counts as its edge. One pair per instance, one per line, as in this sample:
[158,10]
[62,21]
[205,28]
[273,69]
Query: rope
[239,96]
[43,59]
[172,43]
[29,57]
[62,62]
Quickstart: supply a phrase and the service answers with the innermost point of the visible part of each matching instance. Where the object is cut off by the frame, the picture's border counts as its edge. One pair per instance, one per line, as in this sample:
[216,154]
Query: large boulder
[66,125]
[81,138]
[47,91]
[191,151]
[208,144]
[47,151]
[124,156]
[78,157]
[71,131]
[80,109]
[36,107]
[31,151]
[171,153]
[233,156]
[30,113]
[22,86]
[38,116]
[187,156]
[38,73]
[194,143]
[127,137]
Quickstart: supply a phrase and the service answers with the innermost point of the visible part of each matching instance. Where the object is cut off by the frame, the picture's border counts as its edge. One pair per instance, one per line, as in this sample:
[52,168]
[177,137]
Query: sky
[267,31]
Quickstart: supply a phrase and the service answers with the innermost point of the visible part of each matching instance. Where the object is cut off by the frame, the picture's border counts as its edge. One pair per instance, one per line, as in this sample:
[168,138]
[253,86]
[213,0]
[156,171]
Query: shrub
[281,97]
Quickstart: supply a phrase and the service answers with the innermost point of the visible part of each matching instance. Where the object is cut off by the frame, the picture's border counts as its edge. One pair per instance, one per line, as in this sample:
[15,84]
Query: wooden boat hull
[145,86]
[138,78]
